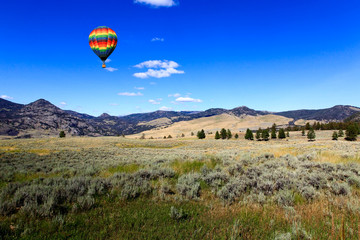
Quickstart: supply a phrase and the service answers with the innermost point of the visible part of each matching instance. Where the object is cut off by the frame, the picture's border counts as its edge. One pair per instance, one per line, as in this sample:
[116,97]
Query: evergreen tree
[281,133]
[201,134]
[351,132]
[62,134]
[311,134]
[169,136]
[249,135]
[287,134]
[228,134]
[335,136]
[142,136]
[236,136]
[217,135]
[223,133]
[303,132]
[265,134]
[164,137]
[341,133]
[182,135]
[307,126]
[192,133]
[258,134]
[273,131]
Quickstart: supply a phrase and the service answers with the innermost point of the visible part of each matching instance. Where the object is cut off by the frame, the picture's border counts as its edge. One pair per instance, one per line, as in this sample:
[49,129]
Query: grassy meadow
[179,188]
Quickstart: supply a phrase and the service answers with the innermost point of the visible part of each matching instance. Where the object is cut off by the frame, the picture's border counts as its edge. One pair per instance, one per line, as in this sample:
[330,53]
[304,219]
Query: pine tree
[287,134]
[351,132]
[169,136]
[273,131]
[201,134]
[249,135]
[341,133]
[62,134]
[265,134]
[192,134]
[258,134]
[311,134]
[307,126]
[223,133]
[303,132]
[236,136]
[281,133]
[217,135]
[228,134]
[335,136]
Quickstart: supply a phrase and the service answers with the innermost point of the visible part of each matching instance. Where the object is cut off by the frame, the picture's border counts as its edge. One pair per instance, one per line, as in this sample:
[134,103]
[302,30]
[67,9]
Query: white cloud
[6,97]
[176,95]
[152,101]
[157,64]
[187,99]
[152,83]
[63,103]
[158,69]
[163,108]
[108,60]
[157,3]
[130,94]
[113,104]
[111,69]
[139,88]
[156,39]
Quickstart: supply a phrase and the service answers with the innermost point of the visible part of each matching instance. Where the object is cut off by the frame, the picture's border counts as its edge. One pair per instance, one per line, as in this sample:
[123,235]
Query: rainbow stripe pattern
[103,41]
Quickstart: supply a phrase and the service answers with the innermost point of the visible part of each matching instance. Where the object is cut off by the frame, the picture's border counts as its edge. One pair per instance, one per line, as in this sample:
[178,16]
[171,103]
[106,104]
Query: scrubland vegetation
[119,188]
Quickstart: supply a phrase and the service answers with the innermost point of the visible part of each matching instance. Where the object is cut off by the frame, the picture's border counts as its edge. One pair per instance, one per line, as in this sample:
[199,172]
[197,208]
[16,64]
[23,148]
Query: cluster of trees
[351,133]
[225,134]
[265,134]
[323,126]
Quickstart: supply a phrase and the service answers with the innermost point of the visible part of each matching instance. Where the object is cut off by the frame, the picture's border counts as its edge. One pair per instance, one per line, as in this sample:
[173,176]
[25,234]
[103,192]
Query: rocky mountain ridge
[42,117]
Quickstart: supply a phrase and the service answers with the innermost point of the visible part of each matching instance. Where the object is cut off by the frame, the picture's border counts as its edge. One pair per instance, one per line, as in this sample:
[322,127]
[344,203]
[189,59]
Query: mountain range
[43,118]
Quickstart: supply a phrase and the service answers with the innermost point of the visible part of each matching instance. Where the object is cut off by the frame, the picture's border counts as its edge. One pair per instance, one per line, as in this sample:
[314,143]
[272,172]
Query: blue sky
[182,55]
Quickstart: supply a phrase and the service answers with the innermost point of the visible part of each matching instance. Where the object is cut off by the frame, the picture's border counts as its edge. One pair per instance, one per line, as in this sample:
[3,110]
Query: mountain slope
[336,113]
[43,117]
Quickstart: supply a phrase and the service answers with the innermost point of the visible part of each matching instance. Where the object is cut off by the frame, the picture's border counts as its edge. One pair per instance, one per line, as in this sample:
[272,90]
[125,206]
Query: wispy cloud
[152,83]
[113,104]
[130,94]
[176,95]
[6,97]
[152,101]
[156,39]
[108,60]
[157,3]
[158,69]
[187,99]
[63,103]
[163,108]
[111,69]
[139,88]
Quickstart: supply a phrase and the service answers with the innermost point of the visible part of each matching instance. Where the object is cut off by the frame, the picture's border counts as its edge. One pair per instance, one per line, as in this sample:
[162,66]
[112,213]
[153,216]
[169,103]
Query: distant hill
[336,113]
[43,118]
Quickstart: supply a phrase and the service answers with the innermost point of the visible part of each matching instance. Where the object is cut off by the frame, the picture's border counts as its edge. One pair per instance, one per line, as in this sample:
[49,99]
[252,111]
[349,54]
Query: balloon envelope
[103,42]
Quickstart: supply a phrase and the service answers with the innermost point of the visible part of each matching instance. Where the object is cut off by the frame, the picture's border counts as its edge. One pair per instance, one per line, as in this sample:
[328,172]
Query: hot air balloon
[103,42]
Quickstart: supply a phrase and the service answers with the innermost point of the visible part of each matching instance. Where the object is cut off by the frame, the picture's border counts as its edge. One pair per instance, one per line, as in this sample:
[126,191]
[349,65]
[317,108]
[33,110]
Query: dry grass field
[180,188]
[213,124]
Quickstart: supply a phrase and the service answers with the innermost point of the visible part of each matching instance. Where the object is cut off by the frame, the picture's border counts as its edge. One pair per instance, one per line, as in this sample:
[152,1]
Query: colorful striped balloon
[103,42]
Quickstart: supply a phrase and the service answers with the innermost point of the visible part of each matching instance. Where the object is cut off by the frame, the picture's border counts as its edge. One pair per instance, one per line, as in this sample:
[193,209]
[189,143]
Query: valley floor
[180,188]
